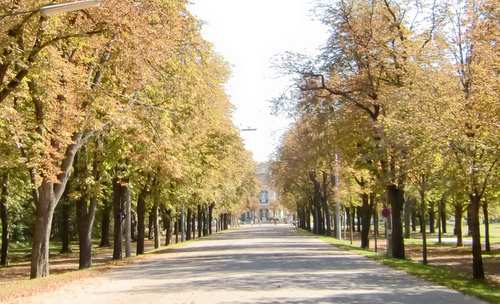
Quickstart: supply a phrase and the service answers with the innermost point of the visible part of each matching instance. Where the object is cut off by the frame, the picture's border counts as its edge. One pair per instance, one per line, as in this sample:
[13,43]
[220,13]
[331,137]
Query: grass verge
[486,290]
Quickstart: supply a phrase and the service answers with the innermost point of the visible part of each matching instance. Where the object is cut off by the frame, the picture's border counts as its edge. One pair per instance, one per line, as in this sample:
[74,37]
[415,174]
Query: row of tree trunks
[225,221]
[318,206]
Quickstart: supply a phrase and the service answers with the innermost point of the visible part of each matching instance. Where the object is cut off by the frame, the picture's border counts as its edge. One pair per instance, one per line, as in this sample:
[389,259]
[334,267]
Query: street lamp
[54,9]
[337,203]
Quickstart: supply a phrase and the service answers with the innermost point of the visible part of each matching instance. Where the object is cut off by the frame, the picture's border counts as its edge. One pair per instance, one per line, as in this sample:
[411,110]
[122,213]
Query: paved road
[259,264]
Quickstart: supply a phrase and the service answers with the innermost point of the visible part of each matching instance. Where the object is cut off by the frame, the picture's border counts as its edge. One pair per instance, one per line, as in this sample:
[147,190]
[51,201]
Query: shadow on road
[276,265]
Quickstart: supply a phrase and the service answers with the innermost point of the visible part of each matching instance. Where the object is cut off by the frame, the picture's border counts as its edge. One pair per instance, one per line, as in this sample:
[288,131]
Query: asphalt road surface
[255,264]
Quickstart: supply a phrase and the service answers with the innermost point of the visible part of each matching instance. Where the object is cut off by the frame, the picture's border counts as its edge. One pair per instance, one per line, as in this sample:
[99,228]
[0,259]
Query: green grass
[494,233]
[487,291]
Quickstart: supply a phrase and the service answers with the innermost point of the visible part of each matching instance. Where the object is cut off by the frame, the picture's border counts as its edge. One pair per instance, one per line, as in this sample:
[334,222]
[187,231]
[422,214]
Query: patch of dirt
[459,259]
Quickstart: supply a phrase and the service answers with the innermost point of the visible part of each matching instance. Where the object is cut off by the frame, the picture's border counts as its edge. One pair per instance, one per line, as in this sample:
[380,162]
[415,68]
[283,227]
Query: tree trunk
[205,220]
[359,222]
[225,222]
[141,213]
[351,226]
[477,259]
[41,232]
[105,223]
[85,218]
[188,220]
[487,246]
[168,224]
[156,226]
[4,216]
[210,217]
[150,223]
[422,228]
[64,225]
[375,223]
[182,223]
[396,200]
[414,219]
[127,208]
[407,217]
[200,225]
[193,225]
[308,219]
[366,213]
[458,224]
[133,228]
[432,215]
[316,202]
[351,217]
[46,198]
[118,216]
[442,208]
[176,230]
[440,235]
[469,220]
[335,220]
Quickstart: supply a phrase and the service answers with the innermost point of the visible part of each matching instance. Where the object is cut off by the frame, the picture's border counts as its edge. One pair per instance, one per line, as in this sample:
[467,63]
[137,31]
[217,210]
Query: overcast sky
[249,34]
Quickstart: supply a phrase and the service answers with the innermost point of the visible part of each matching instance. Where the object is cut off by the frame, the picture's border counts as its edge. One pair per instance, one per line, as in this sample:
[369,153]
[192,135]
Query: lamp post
[338,233]
[248,130]
[54,9]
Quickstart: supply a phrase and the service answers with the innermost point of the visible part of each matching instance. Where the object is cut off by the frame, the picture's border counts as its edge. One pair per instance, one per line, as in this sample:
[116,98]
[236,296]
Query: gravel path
[259,264]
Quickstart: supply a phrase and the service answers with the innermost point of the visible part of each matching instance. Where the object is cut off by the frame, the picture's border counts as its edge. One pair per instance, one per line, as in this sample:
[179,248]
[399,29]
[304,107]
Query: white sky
[249,34]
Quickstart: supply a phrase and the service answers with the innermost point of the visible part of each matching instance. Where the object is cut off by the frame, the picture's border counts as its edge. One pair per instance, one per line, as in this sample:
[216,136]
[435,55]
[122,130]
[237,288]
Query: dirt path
[259,264]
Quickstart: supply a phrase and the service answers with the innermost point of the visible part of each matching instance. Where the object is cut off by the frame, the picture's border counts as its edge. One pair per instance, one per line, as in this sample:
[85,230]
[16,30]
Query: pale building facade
[268,209]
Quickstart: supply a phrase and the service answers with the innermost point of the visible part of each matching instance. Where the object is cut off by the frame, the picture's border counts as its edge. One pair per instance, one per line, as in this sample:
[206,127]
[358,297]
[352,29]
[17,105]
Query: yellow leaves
[148,86]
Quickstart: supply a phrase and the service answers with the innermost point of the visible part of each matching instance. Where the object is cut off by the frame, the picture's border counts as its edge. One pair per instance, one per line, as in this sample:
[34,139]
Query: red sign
[386,212]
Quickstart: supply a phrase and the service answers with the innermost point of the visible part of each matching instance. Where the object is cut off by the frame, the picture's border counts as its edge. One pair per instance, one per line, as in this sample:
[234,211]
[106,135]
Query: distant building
[269,207]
